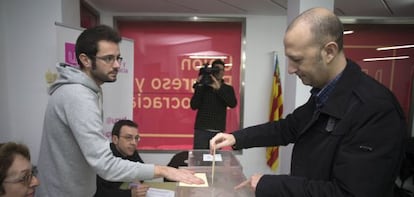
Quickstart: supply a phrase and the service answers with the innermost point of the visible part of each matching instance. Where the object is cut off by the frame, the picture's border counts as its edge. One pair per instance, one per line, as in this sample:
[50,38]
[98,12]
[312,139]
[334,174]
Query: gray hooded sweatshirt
[73,148]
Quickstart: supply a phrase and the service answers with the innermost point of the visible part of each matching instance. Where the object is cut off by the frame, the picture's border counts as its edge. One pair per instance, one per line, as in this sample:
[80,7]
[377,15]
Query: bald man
[348,137]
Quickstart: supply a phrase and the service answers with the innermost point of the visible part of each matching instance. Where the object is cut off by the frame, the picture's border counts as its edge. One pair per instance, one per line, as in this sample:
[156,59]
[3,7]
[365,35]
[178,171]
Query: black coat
[352,147]
[211,106]
[106,188]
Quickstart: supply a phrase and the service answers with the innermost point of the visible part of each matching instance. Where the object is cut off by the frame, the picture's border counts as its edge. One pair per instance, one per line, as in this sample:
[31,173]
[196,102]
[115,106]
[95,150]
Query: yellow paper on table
[199,175]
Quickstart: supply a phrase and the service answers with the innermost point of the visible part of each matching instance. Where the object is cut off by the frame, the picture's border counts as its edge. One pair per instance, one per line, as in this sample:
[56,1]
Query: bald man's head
[322,24]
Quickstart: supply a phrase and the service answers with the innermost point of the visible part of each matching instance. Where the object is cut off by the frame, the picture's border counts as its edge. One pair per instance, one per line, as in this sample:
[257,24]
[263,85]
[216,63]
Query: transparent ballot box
[227,174]
[195,158]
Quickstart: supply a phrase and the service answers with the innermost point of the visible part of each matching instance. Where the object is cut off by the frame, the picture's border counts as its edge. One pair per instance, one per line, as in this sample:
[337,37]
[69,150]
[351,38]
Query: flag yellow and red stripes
[276,111]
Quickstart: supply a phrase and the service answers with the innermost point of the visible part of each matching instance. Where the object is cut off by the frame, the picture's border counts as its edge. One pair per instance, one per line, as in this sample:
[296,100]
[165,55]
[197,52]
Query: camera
[205,72]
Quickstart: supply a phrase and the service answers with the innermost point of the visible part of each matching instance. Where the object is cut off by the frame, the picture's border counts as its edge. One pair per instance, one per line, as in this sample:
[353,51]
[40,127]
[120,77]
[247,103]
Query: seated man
[124,142]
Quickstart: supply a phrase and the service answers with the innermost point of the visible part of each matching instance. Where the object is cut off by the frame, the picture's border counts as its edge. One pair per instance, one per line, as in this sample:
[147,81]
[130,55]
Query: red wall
[164,74]
[395,74]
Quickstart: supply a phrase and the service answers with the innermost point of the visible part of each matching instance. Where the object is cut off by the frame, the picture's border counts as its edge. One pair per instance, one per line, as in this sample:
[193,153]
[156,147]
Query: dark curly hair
[87,41]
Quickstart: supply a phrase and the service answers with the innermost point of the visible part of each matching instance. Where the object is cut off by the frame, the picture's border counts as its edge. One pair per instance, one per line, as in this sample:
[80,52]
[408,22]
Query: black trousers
[202,138]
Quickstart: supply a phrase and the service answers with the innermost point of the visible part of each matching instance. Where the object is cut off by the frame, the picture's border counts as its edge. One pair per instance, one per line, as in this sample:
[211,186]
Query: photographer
[211,98]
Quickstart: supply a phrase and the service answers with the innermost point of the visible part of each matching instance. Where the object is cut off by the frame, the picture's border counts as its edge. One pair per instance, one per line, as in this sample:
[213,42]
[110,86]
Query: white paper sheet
[209,157]
[155,192]
[199,175]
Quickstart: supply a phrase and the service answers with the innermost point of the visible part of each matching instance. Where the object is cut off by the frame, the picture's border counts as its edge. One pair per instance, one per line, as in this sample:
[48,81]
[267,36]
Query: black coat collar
[337,105]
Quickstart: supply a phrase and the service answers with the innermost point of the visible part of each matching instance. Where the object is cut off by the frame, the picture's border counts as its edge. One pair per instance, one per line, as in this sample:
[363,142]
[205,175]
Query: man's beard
[101,76]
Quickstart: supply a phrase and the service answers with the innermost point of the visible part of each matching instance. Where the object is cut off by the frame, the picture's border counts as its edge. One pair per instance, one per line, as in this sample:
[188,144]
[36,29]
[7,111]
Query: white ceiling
[365,8]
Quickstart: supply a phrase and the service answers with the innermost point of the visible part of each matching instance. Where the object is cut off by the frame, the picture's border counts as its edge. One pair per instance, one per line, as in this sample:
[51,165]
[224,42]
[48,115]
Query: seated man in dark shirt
[124,142]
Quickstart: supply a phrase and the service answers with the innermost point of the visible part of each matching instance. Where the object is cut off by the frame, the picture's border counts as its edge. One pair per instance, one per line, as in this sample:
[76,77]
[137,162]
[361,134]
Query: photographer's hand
[197,82]
[216,83]
[199,78]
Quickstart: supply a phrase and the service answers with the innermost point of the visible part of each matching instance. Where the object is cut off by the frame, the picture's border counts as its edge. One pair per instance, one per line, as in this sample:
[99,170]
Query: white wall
[264,35]
[70,13]
[28,50]
[4,100]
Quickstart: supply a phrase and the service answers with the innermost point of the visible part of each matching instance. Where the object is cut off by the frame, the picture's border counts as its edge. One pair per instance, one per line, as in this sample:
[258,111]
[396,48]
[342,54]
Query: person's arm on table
[175,174]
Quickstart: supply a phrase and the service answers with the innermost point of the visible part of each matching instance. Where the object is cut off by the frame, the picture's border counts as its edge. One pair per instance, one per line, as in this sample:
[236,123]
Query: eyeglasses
[129,138]
[27,178]
[110,59]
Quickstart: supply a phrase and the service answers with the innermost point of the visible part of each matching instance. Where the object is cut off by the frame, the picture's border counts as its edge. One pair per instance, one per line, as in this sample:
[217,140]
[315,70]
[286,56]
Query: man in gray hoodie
[73,148]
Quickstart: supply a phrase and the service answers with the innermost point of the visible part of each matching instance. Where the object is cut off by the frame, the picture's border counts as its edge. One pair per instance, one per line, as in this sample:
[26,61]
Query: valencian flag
[276,110]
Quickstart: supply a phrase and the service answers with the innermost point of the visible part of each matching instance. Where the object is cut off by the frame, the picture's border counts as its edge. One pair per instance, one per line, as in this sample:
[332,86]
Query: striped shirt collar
[321,95]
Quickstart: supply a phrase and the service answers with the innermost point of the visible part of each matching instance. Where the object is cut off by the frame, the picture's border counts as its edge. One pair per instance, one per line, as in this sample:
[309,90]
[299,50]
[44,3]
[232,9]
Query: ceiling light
[207,57]
[348,32]
[385,58]
[395,47]
[226,65]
